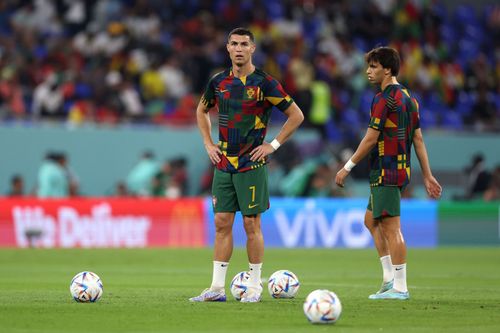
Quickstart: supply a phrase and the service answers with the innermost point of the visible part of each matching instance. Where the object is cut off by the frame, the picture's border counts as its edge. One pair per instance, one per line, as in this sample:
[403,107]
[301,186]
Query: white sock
[387,268]
[219,275]
[400,278]
[255,272]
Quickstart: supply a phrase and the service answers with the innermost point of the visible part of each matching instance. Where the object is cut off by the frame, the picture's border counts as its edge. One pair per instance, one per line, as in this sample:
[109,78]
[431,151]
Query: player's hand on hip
[213,152]
[259,153]
[433,188]
[341,174]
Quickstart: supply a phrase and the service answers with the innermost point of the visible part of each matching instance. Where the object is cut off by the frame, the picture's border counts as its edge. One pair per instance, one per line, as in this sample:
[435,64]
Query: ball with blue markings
[239,285]
[86,287]
[322,307]
[283,284]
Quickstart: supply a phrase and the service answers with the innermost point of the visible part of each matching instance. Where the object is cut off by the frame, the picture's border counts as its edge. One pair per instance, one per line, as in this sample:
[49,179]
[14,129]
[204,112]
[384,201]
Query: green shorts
[385,201]
[247,192]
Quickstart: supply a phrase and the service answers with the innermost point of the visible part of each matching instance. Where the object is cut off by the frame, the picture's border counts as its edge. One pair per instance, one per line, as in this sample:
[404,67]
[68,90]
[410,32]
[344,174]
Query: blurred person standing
[477,177]
[121,190]
[52,178]
[394,126]
[161,180]
[16,186]
[140,178]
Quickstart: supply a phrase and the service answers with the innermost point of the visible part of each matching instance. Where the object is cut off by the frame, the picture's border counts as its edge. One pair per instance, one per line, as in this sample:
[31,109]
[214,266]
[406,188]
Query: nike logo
[223,91]
[223,265]
[398,269]
[250,206]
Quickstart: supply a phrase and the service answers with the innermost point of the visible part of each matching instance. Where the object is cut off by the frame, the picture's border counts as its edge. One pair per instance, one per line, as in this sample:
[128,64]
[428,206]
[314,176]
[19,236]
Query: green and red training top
[244,106]
[395,114]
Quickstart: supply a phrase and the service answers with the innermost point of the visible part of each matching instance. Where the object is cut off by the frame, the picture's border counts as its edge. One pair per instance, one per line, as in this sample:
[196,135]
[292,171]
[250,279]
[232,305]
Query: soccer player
[394,126]
[245,97]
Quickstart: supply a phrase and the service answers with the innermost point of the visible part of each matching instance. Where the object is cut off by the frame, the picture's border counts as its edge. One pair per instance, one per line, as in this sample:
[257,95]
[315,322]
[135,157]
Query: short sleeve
[208,98]
[276,95]
[378,113]
[415,115]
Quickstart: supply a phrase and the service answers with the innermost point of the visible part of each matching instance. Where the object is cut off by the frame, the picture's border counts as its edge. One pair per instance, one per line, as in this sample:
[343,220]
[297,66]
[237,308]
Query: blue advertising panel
[328,222]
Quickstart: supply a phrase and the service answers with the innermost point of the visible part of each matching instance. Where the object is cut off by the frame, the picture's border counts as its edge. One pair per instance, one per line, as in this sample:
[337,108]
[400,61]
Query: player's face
[376,73]
[240,49]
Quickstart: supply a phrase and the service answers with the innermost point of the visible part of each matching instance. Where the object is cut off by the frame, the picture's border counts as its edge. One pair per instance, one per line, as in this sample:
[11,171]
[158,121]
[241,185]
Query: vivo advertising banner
[326,222]
[102,223]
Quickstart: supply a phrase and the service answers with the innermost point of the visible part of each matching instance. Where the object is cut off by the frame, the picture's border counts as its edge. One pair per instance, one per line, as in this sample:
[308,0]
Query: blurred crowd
[290,175]
[147,61]
[147,178]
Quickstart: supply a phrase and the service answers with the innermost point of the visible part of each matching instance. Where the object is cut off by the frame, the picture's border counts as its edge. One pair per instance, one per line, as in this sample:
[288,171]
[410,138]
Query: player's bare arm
[365,146]
[204,124]
[295,118]
[431,184]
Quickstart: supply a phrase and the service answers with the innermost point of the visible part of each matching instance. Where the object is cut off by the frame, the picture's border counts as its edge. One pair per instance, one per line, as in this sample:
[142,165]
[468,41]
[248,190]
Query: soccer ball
[322,307]
[86,287]
[239,285]
[283,284]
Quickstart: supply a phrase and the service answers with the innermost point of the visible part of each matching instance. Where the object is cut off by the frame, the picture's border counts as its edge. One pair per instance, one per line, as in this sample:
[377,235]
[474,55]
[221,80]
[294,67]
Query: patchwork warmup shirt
[244,105]
[395,114]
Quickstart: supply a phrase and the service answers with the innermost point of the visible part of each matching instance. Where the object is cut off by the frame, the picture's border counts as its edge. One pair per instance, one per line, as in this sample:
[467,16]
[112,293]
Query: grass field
[452,290]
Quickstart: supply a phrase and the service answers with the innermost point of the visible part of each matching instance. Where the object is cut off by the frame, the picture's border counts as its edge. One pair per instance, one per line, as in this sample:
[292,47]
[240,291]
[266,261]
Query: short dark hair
[16,178]
[241,32]
[385,56]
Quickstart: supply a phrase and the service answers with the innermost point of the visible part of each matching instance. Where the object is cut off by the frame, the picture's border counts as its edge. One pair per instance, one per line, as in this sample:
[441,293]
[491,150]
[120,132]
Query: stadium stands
[140,63]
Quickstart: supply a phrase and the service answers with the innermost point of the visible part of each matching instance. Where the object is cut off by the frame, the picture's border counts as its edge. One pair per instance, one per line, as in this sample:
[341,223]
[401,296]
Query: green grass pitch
[146,290]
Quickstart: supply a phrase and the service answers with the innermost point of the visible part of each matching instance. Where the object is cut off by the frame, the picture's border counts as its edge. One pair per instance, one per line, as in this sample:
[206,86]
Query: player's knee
[369,225]
[251,225]
[223,225]
[390,232]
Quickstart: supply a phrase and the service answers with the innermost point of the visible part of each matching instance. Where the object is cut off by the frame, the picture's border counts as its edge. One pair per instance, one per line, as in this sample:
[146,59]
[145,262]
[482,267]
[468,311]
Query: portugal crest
[250,93]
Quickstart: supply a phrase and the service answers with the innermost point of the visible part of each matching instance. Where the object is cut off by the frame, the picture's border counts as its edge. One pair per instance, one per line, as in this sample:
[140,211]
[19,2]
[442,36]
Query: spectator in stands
[48,98]
[140,177]
[131,101]
[161,180]
[179,182]
[174,79]
[121,189]
[171,180]
[165,56]
[320,184]
[11,95]
[16,186]
[320,111]
[484,112]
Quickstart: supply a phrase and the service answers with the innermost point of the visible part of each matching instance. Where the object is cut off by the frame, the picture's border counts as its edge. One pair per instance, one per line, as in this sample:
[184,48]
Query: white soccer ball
[283,284]
[86,287]
[322,307]
[239,284]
